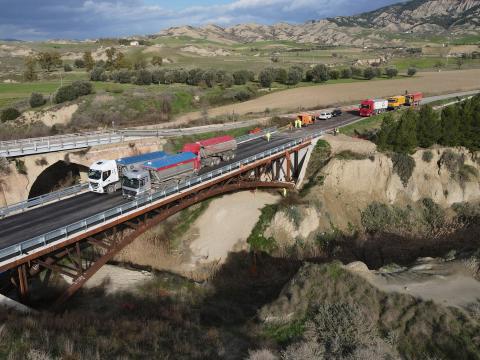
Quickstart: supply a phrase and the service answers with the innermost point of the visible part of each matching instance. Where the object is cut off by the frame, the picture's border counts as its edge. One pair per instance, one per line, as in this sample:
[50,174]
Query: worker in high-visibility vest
[284,192]
[268,136]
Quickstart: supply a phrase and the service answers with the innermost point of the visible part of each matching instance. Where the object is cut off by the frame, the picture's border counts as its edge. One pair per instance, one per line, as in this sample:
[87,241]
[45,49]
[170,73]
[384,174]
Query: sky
[83,19]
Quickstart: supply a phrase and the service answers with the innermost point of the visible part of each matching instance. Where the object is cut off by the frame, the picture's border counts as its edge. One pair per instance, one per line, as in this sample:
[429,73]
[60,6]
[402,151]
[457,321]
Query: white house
[134,43]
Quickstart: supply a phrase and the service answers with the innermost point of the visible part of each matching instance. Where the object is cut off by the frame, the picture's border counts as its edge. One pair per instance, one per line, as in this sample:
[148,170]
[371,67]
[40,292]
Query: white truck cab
[103,177]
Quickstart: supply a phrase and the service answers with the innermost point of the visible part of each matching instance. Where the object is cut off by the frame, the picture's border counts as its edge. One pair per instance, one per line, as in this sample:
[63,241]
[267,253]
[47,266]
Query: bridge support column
[22,287]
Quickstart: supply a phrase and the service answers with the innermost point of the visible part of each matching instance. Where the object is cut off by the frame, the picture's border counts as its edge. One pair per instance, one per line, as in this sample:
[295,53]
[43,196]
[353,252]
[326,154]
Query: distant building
[134,43]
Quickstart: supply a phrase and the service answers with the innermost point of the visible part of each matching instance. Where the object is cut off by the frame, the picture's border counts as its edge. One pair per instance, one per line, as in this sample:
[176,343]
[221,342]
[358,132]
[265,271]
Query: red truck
[212,151]
[371,107]
[413,99]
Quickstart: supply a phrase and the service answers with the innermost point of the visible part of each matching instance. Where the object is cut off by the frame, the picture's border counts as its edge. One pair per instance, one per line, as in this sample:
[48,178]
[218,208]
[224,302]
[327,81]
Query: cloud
[34,19]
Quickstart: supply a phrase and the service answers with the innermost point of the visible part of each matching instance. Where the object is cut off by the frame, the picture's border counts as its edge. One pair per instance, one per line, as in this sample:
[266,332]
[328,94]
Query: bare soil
[325,95]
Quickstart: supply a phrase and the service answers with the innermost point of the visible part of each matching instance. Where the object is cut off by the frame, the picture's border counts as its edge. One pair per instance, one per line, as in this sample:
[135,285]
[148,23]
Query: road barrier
[104,217]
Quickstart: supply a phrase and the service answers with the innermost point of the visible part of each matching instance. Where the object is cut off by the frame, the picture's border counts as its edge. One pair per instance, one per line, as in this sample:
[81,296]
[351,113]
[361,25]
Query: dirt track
[431,83]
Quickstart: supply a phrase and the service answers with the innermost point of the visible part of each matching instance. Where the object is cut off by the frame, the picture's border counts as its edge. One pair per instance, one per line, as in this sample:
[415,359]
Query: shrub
[451,160]
[334,74]
[4,166]
[98,74]
[67,68]
[143,77]
[36,100]
[350,155]
[376,217]
[65,93]
[391,72]
[20,166]
[467,173]
[356,71]
[411,71]
[82,87]
[433,214]
[240,77]
[403,165]
[9,114]
[227,80]
[427,156]
[194,76]
[79,63]
[320,73]
[368,73]
[346,73]
[266,77]
[257,239]
[122,76]
[295,75]
[281,75]
[242,95]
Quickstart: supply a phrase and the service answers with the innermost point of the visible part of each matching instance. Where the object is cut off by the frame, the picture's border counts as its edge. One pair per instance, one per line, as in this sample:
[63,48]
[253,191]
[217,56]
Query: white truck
[105,176]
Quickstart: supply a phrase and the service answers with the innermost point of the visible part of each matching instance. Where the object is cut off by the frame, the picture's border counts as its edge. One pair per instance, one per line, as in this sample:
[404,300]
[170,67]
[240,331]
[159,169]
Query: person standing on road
[268,136]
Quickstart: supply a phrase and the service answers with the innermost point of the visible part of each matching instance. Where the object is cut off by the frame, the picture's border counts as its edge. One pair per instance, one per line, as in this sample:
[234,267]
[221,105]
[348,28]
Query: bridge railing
[42,199]
[105,216]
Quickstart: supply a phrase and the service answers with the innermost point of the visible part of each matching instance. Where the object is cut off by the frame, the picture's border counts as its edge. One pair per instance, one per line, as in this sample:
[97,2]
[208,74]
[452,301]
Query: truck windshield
[131,183]
[94,174]
[365,106]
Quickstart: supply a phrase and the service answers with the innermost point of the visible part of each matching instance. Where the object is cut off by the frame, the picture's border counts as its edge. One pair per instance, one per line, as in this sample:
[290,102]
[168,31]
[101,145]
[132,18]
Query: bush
[20,166]
[227,80]
[82,88]
[241,77]
[451,160]
[4,166]
[143,77]
[266,77]
[346,73]
[427,156]
[10,114]
[334,74]
[433,214]
[411,71]
[295,75]
[369,73]
[467,173]
[195,76]
[320,73]
[350,155]
[36,100]
[122,76]
[281,75]
[98,74]
[67,68]
[79,63]
[356,71]
[403,165]
[391,72]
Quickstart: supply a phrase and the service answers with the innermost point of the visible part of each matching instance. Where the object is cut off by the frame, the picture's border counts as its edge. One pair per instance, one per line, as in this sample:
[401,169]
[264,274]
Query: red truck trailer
[413,99]
[212,151]
[371,107]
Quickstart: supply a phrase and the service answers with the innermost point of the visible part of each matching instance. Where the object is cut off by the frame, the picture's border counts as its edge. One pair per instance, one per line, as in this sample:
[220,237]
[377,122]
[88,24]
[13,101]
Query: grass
[363,125]
[257,239]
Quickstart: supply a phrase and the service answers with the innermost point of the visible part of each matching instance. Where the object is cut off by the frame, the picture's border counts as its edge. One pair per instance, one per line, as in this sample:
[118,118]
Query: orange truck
[306,119]
[396,102]
[413,99]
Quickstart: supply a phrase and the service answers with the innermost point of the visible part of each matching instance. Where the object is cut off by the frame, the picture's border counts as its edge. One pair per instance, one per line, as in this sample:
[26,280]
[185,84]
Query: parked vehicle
[336,112]
[413,99]
[306,119]
[160,173]
[212,151]
[325,115]
[371,107]
[104,176]
[396,102]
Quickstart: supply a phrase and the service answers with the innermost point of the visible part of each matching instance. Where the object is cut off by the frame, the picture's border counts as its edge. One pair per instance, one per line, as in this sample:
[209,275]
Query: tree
[79,63]
[194,76]
[281,75]
[98,74]
[406,133]
[240,77]
[320,73]
[36,100]
[88,60]
[82,87]
[450,126]
[386,133]
[411,71]
[459,61]
[67,67]
[209,77]
[334,74]
[30,74]
[110,52]
[428,127]
[139,62]
[120,61]
[49,60]
[368,73]
[144,77]
[9,114]
[157,60]
[377,71]
[158,76]
[295,75]
[227,80]
[391,72]
[266,77]
[356,71]
[346,73]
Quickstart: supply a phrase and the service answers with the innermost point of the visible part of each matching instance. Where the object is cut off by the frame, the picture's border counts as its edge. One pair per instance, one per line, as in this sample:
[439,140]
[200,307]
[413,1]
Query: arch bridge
[79,250]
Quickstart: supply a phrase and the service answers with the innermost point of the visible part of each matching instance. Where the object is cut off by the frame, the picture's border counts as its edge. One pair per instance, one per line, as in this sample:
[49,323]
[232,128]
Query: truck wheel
[110,189]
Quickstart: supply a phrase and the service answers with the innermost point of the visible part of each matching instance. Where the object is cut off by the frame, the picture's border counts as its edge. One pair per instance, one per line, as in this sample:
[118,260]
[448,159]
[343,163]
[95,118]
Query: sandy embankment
[226,225]
[431,83]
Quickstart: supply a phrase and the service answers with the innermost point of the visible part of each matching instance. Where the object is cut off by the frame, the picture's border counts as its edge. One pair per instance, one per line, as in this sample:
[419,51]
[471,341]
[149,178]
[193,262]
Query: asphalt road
[24,226]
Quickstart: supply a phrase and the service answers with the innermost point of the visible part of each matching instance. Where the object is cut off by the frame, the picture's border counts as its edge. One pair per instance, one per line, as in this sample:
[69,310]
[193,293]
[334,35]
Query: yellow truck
[306,119]
[395,102]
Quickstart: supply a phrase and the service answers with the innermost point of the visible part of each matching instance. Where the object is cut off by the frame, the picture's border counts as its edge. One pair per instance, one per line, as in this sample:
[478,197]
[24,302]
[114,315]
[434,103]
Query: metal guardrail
[105,216]
[41,145]
[76,189]
[42,199]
